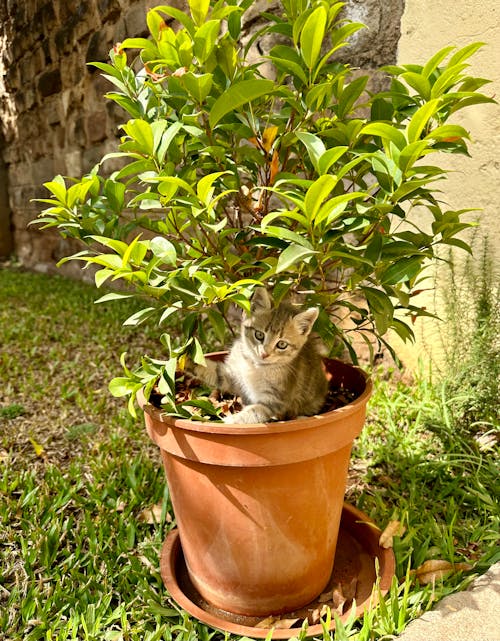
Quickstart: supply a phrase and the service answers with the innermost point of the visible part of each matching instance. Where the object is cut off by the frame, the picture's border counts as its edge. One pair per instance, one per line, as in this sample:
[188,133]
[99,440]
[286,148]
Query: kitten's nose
[264,355]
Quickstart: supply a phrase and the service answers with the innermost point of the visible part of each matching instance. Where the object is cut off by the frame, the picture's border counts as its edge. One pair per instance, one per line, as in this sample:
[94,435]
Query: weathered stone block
[46,16]
[29,99]
[42,170]
[85,20]
[135,21]
[96,126]
[38,60]
[64,37]
[74,69]
[77,131]
[98,48]
[27,66]
[12,81]
[108,9]
[73,163]
[50,83]
[47,52]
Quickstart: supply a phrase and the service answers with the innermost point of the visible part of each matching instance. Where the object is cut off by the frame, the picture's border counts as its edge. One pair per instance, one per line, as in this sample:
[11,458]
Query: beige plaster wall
[427,26]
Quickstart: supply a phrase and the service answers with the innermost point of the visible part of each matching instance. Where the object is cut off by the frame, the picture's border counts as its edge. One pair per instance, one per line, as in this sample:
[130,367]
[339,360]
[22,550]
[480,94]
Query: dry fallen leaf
[276,622]
[394,528]
[152,514]
[314,617]
[146,562]
[349,589]
[338,599]
[436,569]
[325,597]
[487,441]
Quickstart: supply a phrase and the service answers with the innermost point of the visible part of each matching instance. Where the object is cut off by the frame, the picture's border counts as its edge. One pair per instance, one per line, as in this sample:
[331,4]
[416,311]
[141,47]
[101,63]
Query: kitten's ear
[304,321]
[261,300]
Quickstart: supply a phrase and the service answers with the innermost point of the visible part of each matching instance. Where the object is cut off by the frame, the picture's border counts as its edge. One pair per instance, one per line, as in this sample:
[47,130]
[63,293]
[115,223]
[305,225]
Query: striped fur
[275,366]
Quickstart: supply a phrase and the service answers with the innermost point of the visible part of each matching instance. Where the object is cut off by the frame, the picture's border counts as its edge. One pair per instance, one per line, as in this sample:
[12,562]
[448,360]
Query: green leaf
[112,296]
[218,324]
[204,189]
[135,43]
[139,317]
[336,206]
[167,137]
[432,64]
[449,77]
[378,301]
[237,95]
[292,255]
[121,386]
[58,188]
[314,145]
[199,10]
[418,82]
[198,86]
[386,132]
[411,153]
[288,60]
[169,181]
[141,133]
[163,249]
[351,92]
[205,39]
[131,106]
[456,242]
[179,15]
[317,193]
[277,215]
[312,36]
[116,245]
[102,276]
[197,354]
[464,53]
[403,330]
[287,234]
[401,271]
[135,252]
[114,192]
[420,119]
[329,157]
[445,132]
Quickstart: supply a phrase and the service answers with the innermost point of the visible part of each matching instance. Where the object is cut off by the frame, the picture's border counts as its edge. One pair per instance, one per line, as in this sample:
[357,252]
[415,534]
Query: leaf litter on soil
[203,403]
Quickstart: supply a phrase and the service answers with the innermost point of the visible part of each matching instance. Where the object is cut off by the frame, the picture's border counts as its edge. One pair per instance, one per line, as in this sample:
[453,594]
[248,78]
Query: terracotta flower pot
[258,506]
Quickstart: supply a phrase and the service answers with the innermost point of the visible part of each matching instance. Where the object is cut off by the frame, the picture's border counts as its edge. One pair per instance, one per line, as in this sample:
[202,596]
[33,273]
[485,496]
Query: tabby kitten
[275,366]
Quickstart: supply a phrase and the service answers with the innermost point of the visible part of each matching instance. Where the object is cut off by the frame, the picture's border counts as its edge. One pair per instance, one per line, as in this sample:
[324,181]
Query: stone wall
[53,116]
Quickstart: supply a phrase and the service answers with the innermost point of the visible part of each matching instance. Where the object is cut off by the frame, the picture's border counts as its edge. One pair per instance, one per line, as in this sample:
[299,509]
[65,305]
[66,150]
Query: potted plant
[279,170]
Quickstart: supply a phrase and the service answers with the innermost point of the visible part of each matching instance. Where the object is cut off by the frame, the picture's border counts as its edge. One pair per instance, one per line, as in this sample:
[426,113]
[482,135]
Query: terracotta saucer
[353,576]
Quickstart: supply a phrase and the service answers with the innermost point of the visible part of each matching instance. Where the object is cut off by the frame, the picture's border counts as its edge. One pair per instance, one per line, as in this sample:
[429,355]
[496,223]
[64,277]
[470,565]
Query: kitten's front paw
[249,414]
[233,419]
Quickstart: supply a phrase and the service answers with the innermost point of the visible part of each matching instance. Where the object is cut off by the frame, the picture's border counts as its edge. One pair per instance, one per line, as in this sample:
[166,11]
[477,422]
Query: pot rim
[276,427]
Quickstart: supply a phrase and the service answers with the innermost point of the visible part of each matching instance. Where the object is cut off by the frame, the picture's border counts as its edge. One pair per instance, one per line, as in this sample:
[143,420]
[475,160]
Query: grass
[79,559]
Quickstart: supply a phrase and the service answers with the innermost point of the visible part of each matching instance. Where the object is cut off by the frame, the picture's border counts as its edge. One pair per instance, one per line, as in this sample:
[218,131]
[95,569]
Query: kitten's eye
[259,335]
[281,344]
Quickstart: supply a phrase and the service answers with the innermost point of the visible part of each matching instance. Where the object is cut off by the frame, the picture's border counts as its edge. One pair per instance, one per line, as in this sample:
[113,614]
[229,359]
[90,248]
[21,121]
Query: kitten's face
[275,335]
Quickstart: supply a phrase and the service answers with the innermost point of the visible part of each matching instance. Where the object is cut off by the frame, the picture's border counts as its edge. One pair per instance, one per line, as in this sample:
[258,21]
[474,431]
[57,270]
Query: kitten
[275,366]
